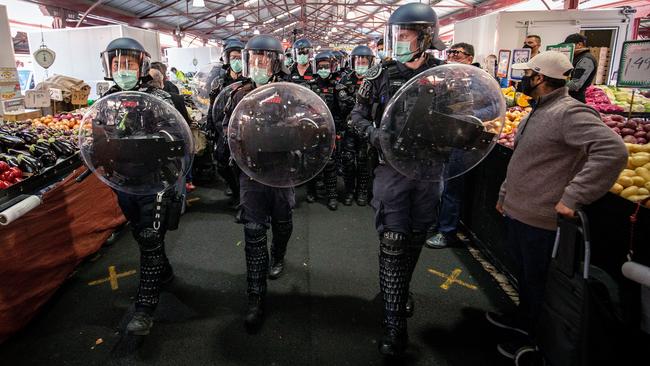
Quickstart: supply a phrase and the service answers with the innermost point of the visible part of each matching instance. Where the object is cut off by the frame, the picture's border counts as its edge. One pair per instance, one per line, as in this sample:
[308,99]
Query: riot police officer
[354,151]
[288,58]
[126,63]
[301,71]
[381,54]
[325,67]
[404,207]
[261,205]
[232,64]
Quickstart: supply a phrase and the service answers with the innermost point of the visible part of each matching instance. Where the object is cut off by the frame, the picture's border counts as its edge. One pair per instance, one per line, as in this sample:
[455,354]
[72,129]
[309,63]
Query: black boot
[281,235]
[255,314]
[140,324]
[332,204]
[311,191]
[394,341]
[348,199]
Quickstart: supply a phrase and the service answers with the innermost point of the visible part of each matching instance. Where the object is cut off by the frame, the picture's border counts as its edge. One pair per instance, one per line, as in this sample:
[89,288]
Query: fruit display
[623,97]
[633,131]
[634,181]
[597,98]
[33,146]
[514,115]
[9,175]
[62,121]
[515,99]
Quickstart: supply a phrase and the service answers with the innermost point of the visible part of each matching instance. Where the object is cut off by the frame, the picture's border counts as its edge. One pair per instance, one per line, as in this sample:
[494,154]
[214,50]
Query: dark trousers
[531,248]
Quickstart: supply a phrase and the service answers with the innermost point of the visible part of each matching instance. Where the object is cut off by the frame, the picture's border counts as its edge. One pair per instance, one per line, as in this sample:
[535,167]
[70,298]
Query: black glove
[367,131]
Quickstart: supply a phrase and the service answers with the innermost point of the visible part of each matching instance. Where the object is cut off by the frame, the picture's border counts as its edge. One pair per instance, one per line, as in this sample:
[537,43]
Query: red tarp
[40,250]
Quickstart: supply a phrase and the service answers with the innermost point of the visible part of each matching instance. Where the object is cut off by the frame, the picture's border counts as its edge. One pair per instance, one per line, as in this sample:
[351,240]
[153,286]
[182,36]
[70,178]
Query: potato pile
[634,181]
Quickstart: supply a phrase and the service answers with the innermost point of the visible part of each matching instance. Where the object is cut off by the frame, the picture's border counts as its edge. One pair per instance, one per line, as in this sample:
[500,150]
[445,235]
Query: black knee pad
[148,239]
[254,233]
[393,243]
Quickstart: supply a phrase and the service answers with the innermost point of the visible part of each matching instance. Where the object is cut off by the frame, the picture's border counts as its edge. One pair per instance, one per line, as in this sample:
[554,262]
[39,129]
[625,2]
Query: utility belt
[167,210]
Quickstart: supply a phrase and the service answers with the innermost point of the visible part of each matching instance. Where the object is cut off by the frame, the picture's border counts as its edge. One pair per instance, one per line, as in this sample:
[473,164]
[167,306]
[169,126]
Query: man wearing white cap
[564,157]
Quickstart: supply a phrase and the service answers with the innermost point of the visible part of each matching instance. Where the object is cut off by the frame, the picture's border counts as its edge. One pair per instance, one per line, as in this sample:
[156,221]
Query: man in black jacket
[584,67]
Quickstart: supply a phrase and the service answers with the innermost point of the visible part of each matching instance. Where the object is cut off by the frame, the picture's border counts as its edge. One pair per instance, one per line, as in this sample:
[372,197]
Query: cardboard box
[21,116]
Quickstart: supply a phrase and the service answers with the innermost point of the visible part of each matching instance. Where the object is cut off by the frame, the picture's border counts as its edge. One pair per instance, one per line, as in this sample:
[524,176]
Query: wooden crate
[21,116]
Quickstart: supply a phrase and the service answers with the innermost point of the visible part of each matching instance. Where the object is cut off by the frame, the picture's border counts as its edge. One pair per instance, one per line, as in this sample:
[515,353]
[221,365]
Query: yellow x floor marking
[451,279]
[112,277]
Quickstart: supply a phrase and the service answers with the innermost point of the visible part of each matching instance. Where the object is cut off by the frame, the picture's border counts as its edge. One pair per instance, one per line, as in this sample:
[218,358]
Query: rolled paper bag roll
[19,209]
[637,272]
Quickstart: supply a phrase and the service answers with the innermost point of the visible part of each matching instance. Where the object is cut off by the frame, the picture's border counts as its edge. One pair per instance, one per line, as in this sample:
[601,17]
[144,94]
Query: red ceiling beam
[483,8]
[571,4]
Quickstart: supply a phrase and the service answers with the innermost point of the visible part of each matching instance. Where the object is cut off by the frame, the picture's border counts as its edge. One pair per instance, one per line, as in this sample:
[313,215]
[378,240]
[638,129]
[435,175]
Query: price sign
[37,99]
[519,56]
[79,97]
[102,88]
[634,68]
[504,63]
[56,94]
[565,48]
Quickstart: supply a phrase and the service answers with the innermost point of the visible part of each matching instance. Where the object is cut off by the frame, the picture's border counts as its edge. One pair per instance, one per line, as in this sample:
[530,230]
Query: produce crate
[21,116]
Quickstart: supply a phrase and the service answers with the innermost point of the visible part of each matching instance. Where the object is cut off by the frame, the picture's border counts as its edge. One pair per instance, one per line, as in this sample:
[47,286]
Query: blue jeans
[450,204]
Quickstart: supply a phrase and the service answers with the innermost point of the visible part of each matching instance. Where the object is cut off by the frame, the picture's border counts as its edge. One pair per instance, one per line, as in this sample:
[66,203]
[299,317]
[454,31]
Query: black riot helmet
[411,30]
[359,53]
[231,45]
[303,51]
[325,56]
[262,58]
[339,59]
[125,55]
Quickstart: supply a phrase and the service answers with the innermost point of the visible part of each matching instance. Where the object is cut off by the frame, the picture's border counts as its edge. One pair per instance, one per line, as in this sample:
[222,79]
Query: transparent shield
[281,134]
[136,143]
[201,85]
[436,127]
[220,101]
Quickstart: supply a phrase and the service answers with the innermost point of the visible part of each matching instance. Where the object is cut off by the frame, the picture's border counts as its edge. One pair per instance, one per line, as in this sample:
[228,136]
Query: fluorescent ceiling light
[198,4]
[256,32]
[230,17]
[351,14]
[245,26]
[250,2]
[334,29]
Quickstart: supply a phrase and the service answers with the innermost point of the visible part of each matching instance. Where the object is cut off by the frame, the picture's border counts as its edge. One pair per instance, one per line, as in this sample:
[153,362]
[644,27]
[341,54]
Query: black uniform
[295,76]
[404,208]
[261,205]
[221,151]
[326,89]
[354,150]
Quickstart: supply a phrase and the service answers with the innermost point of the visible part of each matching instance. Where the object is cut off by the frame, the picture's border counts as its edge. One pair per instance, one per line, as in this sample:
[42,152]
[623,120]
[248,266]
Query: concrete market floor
[325,310]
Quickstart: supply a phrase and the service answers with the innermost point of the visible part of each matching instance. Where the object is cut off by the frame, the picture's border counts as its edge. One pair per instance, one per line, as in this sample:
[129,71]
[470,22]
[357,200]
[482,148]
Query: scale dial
[44,57]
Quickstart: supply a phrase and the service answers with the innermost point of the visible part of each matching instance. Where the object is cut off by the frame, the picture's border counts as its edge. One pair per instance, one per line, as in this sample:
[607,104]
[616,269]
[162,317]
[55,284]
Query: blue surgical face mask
[126,79]
[303,59]
[381,55]
[288,61]
[403,51]
[324,73]
[259,75]
[235,65]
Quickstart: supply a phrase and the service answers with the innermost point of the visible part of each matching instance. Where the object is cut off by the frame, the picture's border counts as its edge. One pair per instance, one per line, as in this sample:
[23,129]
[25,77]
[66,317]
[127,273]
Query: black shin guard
[414,249]
[347,160]
[330,180]
[153,262]
[257,258]
[394,278]
[363,173]
[281,234]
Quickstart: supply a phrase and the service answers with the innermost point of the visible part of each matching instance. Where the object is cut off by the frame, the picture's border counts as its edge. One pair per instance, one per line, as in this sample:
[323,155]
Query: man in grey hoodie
[565,157]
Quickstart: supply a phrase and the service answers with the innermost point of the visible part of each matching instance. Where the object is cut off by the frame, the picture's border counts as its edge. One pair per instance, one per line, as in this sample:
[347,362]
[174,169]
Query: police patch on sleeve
[373,72]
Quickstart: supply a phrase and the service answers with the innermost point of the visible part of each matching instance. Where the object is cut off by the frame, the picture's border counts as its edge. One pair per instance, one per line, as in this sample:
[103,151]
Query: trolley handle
[582,222]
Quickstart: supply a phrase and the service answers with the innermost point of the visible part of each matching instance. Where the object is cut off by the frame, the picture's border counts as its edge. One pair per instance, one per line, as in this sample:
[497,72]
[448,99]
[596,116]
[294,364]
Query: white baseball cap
[550,63]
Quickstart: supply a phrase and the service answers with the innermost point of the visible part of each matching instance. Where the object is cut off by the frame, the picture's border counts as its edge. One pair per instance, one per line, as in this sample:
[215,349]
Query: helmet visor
[124,60]
[256,60]
[402,42]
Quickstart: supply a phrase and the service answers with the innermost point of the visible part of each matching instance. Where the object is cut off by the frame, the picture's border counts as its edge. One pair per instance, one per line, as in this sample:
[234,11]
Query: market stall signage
[8,75]
[519,56]
[79,97]
[56,94]
[634,68]
[504,63]
[37,99]
[565,48]
[102,88]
